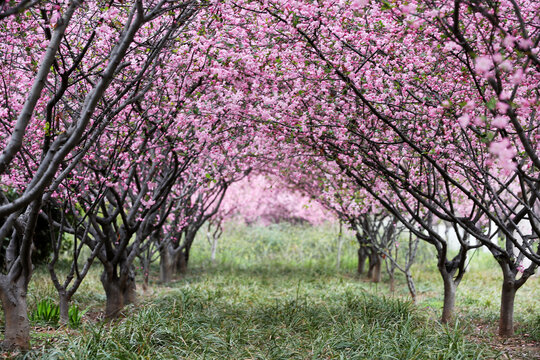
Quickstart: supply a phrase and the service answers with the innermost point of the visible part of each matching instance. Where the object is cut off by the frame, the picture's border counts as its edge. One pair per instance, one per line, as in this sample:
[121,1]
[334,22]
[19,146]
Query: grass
[275,293]
[234,314]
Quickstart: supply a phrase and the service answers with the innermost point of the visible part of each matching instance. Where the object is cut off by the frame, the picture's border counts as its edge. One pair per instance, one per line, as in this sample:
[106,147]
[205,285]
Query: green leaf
[492,103]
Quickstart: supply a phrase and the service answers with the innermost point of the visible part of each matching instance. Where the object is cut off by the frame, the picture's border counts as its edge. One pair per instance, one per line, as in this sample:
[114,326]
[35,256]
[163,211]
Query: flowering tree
[268,199]
[137,116]
[381,87]
[96,62]
[376,230]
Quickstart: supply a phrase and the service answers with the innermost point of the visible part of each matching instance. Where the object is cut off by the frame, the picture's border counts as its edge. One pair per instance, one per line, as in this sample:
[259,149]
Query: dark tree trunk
[449,298]
[115,298]
[183,256]
[508,295]
[64,308]
[392,282]
[145,285]
[130,290]
[17,326]
[371,266]
[14,285]
[167,265]
[376,273]
[119,291]
[182,262]
[362,257]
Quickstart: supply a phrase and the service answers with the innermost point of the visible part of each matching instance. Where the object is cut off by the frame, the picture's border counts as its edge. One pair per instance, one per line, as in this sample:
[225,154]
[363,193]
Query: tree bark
[412,288]
[17,326]
[508,295]
[362,256]
[371,266]
[183,255]
[167,265]
[145,285]
[64,308]
[119,291]
[213,249]
[449,298]
[115,298]
[130,290]
[182,263]
[376,273]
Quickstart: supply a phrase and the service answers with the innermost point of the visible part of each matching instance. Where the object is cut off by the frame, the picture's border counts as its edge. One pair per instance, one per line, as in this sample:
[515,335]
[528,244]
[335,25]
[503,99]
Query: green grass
[286,314]
[275,293]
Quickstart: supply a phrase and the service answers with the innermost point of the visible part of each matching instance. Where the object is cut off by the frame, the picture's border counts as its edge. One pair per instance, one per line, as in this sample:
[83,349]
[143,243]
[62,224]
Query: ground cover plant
[274,292]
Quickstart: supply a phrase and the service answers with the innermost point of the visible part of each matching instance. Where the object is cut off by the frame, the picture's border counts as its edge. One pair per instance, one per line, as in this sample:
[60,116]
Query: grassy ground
[275,293]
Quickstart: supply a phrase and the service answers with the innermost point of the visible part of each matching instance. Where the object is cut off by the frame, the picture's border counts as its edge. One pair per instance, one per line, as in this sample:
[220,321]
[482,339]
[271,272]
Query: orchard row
[124,123]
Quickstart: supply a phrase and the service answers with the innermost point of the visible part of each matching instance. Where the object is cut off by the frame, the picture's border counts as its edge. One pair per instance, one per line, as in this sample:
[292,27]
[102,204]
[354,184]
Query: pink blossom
[502,107]
[464,120]
[517,77]
[500,148]
[432,13]
[54,19]
[500,122]
[506,65]
[505,153]
[525,44]
[407,9]
[483,64]
[509,41]
[478,121]
[359,4]
[450,46]
[505,95]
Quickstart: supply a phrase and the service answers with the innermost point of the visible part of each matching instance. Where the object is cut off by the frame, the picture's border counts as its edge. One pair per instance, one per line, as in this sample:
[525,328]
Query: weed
[46,312]
[75,316]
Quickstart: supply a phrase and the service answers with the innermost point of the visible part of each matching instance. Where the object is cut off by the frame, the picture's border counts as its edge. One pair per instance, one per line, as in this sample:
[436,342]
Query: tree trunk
[339,249]
[412,288]
[146,260]
[64,308]
[145,286]
[130,290]
[213,249]
[392,282]
[115,298]
[449,298]
[17,326]
[119,292]
[362,256]
[183,255]
[167,264]
[508,294]
[339,246]
[376,274]
[182,263]
[371,266]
